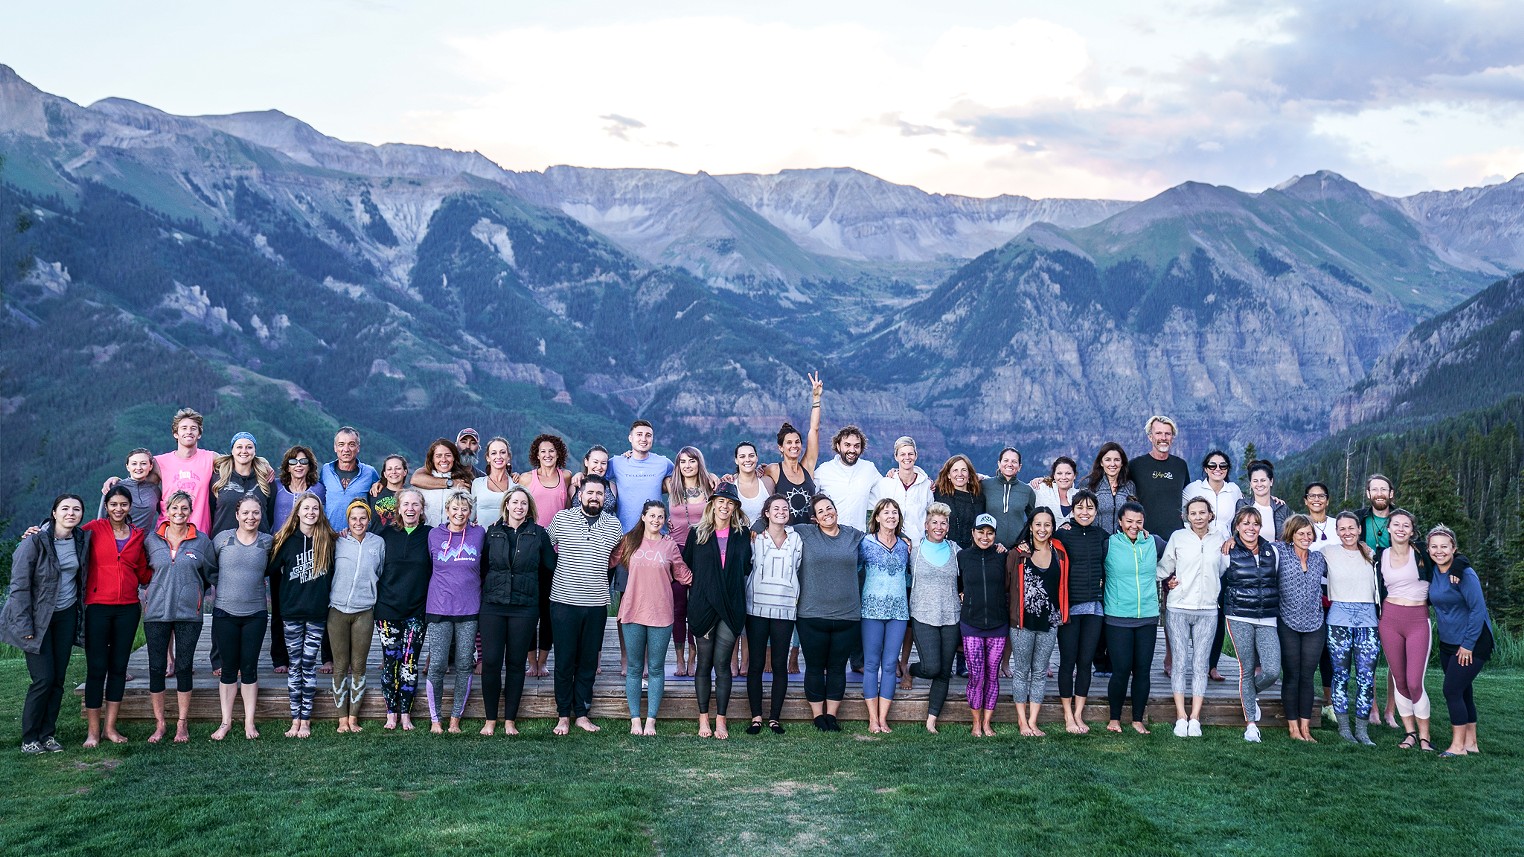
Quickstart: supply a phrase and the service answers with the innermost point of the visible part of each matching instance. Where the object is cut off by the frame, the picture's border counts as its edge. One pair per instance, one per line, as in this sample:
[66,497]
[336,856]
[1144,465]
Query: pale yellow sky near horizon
[1096,99]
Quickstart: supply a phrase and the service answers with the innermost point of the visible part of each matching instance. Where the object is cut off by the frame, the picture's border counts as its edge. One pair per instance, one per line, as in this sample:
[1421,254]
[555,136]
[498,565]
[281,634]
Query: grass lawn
[801,793]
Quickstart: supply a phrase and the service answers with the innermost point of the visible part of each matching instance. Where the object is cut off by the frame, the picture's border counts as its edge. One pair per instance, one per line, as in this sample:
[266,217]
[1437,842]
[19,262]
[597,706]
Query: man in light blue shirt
[346,478]
[638,474]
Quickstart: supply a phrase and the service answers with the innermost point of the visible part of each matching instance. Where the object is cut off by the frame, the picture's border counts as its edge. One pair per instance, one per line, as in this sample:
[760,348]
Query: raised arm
[812,440]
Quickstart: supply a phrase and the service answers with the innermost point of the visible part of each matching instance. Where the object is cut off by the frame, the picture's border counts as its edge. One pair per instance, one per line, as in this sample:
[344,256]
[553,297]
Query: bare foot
[182,731]
[326,669]
[650,727]
[510,728]
[454,727]
[720,731]
[407,723]
[343,726]
[304,730]
[115,737]
[295,725]
[158,733]
[634,725]
[587,725]
[489,728]
[1073,728]
[391,722]
[250,732]
[92,741]
[563,726]
[280,670]
[1084,728]
[222,731]
[1114,726]
[884,727]
[217,671]
[354,725]
[1038,733]
[931,725]
[906,683]
[435,728]
[704,730]
[1139,728]
[1005,672]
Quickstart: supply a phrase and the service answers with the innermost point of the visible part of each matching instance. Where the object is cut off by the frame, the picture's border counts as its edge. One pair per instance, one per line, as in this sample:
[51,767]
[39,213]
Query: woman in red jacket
[118,566]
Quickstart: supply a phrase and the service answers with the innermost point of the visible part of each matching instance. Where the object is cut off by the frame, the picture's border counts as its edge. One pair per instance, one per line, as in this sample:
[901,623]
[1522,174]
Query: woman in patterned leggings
[400,597]
[302,561]
[985,621]
[1352,639]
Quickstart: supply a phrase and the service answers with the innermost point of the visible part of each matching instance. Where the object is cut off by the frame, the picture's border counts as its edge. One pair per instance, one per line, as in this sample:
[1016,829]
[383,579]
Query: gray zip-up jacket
[179,581]
[34,589]
[356,569]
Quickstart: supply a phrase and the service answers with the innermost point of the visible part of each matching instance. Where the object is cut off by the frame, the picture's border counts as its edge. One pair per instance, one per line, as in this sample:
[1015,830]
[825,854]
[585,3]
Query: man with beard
[1159,479]
[584,537]
[469,443]
[1373,518]
[848,478]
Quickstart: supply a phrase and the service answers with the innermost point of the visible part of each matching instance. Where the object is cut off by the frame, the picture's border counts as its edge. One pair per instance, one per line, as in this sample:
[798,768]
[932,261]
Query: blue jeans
[881,653]
[648,643]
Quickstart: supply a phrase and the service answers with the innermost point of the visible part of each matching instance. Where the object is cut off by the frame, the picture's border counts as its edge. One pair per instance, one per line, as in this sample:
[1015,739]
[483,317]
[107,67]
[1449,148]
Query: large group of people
[481,570]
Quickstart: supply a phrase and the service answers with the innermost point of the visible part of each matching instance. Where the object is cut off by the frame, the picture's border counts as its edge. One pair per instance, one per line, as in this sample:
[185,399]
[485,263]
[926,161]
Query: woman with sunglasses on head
[41,616]
[239,619]
[1465,635]
[753,485]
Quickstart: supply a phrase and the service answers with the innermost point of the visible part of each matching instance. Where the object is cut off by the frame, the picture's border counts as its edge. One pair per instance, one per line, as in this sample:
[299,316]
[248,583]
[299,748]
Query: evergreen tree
[1250,454]
[1429,491]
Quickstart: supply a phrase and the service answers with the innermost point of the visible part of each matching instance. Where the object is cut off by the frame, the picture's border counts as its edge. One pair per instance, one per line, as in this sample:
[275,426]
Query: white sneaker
[1193,729]
[1181,727]
[1251,734]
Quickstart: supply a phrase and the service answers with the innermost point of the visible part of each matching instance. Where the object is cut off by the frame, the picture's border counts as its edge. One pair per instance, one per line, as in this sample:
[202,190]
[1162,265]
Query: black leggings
[240,639]
[826,644]
[1459,679]
[1077,641]
[109,629]
[937,644]
[505,640]
[1132,656]
[763,632]
[186,635]
[1300,652]
[716,646]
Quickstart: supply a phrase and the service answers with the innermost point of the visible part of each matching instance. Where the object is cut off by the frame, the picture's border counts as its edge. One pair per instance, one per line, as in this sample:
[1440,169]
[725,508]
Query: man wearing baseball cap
[469,443]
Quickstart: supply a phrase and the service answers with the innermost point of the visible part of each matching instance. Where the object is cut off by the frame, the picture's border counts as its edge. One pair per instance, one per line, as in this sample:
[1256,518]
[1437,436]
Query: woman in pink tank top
[688,491]
[549,483]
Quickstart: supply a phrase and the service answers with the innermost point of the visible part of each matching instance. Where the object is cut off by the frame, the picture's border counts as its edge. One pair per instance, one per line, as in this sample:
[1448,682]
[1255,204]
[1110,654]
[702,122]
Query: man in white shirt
[848,479]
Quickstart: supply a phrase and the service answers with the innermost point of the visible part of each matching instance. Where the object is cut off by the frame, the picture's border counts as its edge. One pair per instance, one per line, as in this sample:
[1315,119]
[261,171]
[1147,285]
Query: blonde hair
[705,527]
[905,441]
[1160,418]
[185,414]
[516,489]
[322,534]
[264,474]
[458,497]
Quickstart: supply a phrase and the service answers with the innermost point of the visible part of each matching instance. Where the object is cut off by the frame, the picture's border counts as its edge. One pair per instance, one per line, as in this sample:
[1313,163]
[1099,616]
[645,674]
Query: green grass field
[801,793]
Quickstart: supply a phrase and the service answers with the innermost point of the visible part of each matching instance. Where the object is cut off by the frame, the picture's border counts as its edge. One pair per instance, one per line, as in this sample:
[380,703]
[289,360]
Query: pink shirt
[1402,581]
[547,501]
[648,592]
[684,517]
[193,476]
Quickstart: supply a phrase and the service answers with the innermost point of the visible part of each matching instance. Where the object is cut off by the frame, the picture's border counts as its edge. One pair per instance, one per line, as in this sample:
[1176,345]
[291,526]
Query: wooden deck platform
[1221,706]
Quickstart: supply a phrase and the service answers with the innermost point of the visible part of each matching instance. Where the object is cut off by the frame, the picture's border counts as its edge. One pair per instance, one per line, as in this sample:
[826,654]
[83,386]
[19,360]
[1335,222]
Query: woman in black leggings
[1085,543]
[1465,635]
[118,565]
[830,609]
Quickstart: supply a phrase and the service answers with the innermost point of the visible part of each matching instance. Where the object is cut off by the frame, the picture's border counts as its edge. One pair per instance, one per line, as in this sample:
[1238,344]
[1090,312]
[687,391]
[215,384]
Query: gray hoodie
[179,581]
[356,568]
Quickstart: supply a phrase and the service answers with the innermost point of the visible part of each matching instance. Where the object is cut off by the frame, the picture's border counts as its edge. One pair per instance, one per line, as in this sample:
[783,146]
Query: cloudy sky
[1091,98]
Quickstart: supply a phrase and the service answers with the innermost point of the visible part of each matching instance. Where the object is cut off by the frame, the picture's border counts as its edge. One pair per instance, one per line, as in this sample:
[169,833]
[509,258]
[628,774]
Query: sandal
[1409,742]
[1426,745]
[756,727]
[1449,755]
[775,726]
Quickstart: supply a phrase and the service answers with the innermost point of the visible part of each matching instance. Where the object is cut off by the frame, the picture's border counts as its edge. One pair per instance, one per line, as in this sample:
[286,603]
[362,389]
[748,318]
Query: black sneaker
[775,726]
[832,724]
[32,748]
[822,722]
[52,745]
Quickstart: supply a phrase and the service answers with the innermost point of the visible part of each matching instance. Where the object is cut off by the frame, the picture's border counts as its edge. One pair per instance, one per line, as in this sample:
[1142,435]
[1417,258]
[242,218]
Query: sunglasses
[1217,466]
[294,462]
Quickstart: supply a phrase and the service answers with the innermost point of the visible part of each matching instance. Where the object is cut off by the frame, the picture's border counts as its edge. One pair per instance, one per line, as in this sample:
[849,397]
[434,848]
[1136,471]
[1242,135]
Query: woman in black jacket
[42,615]
[400,597]
[719,554]
[985,621]
[1251,602]
[517,564]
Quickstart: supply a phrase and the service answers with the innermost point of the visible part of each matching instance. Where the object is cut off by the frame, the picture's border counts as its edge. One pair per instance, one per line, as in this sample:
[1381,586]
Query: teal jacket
[1132,588]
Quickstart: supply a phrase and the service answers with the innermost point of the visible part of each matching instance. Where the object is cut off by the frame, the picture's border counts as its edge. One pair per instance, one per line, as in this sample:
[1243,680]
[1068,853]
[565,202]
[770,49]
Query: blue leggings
[1357,647]
[648,643]
[881,653]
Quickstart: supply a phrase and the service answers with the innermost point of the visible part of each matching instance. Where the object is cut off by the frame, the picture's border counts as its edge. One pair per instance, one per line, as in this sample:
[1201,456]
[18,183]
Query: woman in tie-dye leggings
[985,621]
[1352,638]
[400,639]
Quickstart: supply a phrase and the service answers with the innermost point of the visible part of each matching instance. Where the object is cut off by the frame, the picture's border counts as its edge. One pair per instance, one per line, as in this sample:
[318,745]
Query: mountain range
[286,281]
